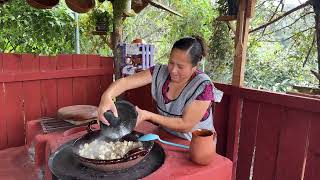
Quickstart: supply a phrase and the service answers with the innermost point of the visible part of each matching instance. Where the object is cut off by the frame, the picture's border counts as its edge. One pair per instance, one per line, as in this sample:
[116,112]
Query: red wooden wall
[267,135]
[36,86]
[278,134]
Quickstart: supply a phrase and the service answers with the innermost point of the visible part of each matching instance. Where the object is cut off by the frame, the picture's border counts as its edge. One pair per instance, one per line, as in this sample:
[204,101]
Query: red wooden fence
[278,134]
[36,86]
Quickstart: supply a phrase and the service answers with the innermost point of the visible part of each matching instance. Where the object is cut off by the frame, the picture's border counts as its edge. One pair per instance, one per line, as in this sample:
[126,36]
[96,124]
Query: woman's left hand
[142,115]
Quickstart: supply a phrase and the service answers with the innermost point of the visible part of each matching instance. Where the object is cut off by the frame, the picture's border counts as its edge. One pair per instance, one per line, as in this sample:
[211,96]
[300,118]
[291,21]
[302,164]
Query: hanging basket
[138,6]
[43,4]
[102,20]
[80,6]
[102,26]
[3,1]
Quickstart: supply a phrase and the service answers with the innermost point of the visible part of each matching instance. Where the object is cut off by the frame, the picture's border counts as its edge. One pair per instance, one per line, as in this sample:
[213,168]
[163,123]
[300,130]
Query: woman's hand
[142,115]
[105,105]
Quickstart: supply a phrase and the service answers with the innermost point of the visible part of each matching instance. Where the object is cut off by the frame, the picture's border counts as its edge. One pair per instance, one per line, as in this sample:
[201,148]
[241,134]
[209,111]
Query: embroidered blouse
[206,95]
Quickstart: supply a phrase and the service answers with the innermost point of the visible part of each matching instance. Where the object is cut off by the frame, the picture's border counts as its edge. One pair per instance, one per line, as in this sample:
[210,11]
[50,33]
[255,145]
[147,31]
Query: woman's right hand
[106,104]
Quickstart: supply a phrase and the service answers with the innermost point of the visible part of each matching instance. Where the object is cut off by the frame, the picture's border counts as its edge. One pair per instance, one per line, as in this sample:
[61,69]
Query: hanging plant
[102,20]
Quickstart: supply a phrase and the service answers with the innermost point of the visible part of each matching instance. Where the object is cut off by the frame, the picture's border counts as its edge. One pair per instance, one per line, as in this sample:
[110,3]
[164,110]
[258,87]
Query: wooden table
[177,164]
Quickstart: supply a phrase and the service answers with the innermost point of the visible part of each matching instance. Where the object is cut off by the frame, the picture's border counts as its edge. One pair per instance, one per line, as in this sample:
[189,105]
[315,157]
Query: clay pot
[80,6]
[3,1]
[203,146]
[137,41]
[43,4]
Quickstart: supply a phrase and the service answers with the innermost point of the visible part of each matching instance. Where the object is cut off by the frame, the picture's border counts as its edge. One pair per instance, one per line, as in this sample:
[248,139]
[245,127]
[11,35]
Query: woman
[182,92]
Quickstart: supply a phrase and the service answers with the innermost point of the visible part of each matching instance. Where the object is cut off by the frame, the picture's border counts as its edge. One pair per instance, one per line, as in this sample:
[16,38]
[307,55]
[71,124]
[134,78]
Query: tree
[293,29]
[25,29]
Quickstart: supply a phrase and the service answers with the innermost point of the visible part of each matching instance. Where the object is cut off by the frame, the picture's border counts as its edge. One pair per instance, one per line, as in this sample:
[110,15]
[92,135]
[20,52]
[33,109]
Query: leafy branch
[309,51]
[282,16]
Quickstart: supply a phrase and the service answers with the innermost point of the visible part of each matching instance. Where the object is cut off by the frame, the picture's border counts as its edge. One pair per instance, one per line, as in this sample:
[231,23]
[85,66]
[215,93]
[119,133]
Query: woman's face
[180,66]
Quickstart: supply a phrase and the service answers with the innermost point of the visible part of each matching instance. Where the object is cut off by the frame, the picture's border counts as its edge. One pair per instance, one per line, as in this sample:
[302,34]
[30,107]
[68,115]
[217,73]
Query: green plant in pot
[102,20]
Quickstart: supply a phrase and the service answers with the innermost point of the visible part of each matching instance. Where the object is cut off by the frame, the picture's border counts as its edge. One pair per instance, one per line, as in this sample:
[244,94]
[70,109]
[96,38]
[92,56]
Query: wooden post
[245,11]
[241,40]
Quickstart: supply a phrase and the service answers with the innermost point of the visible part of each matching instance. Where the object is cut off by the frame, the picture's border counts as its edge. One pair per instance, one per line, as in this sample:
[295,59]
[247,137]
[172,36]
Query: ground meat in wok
[99,149]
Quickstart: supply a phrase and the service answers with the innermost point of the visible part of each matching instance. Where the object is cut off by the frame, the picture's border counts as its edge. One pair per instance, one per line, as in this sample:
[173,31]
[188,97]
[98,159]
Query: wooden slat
[3,122]
[48,88]
[248,133]
[79,94]
[106,80]
[292,145]
[94,61]
[233,127]
[93,83]
[13,102]
[64,62]
[290,101]
[49,75]
[79,61]
[220,121]
[270,118]
[30,63]
[1,62]
[313,157]
[233,131]
[31,89]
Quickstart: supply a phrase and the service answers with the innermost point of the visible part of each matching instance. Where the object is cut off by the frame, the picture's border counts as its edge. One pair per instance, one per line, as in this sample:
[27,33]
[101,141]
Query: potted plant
[102,20]
[80,6]
[42,4]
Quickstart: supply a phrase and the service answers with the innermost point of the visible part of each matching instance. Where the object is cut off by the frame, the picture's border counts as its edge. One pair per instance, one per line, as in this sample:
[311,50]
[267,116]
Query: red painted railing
[36,86]
[278,134]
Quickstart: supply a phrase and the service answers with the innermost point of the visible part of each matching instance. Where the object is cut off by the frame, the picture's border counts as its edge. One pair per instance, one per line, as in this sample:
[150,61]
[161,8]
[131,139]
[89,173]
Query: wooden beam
[241,40]
[250,8]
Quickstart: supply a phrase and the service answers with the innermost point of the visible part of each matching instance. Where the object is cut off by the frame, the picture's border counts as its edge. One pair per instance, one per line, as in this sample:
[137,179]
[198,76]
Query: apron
[176,107]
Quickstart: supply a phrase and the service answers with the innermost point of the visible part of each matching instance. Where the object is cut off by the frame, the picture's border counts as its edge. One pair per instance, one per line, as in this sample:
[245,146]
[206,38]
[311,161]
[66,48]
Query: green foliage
[276,54]
[95,44]
[28,30]
[98,15]
[221,49]
[163,29]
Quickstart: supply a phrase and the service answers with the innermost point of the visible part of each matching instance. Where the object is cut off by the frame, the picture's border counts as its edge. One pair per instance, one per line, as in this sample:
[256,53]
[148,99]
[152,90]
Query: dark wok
[131,158]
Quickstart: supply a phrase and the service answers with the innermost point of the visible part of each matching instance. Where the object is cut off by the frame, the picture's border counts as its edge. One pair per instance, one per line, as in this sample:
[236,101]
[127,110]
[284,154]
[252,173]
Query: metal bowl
[122,125]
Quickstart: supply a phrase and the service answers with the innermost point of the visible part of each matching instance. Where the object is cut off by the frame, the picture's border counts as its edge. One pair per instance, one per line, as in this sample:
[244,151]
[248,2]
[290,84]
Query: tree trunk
[316,7]
[116,36]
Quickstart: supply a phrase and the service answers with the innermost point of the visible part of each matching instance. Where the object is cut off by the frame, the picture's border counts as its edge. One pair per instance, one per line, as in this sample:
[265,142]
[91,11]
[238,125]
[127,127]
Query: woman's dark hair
[195,47]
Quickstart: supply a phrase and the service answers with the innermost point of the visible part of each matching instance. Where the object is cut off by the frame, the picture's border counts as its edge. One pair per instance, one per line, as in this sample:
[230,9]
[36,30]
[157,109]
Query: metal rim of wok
[64,165]
[136,154]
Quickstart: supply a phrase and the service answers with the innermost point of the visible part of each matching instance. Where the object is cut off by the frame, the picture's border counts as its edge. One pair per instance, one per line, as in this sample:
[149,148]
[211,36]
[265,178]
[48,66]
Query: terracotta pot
[137,41]
[203,146]
[3,1]
[80,6]
[43,4]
